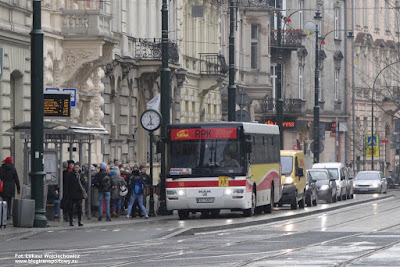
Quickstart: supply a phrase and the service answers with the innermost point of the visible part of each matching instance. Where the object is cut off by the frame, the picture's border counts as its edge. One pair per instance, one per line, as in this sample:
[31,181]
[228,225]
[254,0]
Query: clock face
[151,120]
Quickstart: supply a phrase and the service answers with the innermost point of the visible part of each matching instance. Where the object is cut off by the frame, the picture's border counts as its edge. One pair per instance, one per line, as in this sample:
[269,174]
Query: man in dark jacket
[104,185]
[69,169]
[146,180]
[74,193]
[9,176]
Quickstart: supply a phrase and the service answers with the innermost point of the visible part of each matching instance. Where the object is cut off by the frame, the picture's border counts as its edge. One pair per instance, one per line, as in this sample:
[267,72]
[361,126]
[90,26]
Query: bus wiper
[213,164]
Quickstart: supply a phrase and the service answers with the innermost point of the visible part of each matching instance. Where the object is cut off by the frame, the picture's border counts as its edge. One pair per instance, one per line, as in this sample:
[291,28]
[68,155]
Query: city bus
[222,165]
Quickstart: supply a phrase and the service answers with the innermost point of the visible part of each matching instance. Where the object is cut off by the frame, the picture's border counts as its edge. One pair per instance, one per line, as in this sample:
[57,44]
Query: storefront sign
[285,124]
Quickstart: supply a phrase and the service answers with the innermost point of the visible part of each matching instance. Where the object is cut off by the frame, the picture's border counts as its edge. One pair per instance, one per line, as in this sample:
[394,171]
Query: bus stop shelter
[58,135]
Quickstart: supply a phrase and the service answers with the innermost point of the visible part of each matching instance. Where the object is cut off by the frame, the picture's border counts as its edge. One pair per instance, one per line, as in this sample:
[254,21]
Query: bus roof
[248,127]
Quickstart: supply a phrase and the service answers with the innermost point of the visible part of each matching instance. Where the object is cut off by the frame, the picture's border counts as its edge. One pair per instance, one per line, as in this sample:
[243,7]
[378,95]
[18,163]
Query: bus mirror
[300,172]
[248,146]
[159,146]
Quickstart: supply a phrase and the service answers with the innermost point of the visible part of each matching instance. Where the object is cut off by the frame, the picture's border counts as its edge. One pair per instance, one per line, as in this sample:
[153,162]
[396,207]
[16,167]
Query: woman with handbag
[118,191]
[75,192]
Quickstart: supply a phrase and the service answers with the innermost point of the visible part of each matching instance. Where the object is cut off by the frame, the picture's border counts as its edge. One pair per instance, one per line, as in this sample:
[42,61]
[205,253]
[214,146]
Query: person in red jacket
[9,176]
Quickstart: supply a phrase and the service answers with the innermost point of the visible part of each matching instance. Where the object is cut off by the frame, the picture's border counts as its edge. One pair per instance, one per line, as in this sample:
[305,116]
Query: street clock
[151,120]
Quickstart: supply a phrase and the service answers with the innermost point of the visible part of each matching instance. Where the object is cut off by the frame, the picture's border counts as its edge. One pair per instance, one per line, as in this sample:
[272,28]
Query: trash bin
[23,212]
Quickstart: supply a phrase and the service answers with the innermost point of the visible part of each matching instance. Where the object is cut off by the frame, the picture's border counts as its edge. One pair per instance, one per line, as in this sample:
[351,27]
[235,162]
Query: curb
[197,230]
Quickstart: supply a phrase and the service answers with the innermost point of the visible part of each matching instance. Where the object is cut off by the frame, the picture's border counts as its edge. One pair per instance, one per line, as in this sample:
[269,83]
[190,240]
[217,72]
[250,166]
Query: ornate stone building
[15,25]
[376,47]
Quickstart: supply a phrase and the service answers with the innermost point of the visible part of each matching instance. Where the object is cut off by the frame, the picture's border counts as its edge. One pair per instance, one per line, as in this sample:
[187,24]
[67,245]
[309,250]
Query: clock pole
[151,210]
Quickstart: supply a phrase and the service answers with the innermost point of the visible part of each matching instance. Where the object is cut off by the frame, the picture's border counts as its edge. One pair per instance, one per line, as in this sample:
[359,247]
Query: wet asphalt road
[361,235]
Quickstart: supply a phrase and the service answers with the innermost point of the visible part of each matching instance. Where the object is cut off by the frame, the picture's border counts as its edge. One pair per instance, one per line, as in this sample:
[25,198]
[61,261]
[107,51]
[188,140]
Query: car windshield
[367,176]
[211,157]
[287,165]
[318,175]
[334,173]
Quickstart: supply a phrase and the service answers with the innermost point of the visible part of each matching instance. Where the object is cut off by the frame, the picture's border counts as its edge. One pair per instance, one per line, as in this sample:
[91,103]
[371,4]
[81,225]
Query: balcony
[151,49]
[291,39]
[212,64]
[86,23]
[290,106]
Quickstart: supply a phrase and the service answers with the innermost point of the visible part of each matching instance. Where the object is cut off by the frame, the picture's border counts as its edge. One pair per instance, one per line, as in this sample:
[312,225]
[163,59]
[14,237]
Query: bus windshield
[205,157]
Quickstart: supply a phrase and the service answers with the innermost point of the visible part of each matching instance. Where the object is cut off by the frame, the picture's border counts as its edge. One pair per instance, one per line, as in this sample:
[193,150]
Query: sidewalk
[11,232]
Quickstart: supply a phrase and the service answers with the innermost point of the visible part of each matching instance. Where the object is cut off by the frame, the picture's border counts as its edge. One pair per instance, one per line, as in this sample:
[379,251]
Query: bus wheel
[205,214]
[268,208]
[183,214]
[250,212]
[215,213]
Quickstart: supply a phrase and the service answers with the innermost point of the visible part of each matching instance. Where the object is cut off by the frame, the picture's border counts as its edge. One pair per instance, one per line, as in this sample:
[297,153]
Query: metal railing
[290,38]
[151,49]
[290,105]
[212,64]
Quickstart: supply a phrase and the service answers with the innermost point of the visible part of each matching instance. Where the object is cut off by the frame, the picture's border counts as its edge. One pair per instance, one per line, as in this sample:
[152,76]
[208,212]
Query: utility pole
[232,86]
[353,91]
[279,100]
[165,104]
[37,111]
[316,82]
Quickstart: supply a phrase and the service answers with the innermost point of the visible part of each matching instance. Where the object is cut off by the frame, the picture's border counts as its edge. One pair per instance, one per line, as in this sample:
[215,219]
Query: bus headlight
[289,180]
[228,191]
[181,192]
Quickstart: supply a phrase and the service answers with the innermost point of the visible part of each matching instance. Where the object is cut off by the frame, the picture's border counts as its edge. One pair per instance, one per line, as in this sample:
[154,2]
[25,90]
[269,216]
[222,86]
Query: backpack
[138,188]
[106,182]
[123,191]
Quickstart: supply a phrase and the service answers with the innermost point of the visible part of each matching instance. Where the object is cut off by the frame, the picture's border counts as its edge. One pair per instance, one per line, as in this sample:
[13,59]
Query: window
[377,14]
[356,13]
[337,85]
[273,80]
[337,23]
[387,16]
[254,46]
[365,14]
[301,16]
[301,73]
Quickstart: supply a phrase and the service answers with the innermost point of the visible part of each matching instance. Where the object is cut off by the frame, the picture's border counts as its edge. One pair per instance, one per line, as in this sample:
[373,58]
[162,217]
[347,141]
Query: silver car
[370,181]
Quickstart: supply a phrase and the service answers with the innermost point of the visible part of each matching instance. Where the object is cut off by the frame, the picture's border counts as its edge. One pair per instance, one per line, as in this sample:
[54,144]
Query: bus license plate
[223,181]
[205,200]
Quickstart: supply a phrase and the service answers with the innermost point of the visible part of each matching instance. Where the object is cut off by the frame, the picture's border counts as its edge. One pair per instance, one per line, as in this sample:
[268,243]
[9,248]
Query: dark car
[311,191]
[325,183]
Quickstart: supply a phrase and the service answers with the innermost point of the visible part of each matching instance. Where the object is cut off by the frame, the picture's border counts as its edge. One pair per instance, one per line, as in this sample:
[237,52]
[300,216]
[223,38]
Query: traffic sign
[372,145]
[321,147]
[243,99]
[242,115]
[385,140]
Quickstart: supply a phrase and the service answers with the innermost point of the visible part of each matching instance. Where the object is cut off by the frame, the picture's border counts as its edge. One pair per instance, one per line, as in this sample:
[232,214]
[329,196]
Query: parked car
[391,183]
[311,191]
[325,183]
[293,179]
[344,182]
[370,181]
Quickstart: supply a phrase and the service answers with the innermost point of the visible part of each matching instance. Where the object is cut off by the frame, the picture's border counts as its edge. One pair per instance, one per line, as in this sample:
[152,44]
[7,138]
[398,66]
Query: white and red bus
[223,165]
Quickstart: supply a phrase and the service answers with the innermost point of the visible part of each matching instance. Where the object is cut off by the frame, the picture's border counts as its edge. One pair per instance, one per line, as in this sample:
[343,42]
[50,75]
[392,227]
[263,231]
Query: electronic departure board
[57,105]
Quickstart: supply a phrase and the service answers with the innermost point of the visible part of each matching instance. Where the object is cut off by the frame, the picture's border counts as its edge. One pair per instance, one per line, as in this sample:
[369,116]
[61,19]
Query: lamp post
[165,103]
[316,85]
[232,86]
[372,111]
[279,100]
[37,112]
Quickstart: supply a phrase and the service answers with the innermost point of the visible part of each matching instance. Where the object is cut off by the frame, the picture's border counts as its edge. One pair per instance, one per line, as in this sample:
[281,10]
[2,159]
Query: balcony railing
[255,3]
[212,64]
[150,49]
[86,22]
[290,105]
[291,39]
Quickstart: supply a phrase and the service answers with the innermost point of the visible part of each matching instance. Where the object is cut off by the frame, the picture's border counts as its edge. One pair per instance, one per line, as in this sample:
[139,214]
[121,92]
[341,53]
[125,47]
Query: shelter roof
[60,127]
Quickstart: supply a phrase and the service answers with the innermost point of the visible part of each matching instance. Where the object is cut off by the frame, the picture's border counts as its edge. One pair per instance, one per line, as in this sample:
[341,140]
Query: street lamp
[372,111]
[316,83]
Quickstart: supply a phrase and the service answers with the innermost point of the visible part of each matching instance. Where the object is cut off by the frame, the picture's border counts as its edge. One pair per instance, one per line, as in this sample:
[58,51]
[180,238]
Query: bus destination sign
[57,105]
[203,133]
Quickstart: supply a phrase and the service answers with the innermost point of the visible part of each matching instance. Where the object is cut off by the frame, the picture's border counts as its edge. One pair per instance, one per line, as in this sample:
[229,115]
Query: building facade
[376,53]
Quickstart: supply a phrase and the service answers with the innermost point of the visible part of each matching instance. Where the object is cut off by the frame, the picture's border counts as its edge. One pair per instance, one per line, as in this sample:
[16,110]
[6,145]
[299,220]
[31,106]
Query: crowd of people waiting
[121,188]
